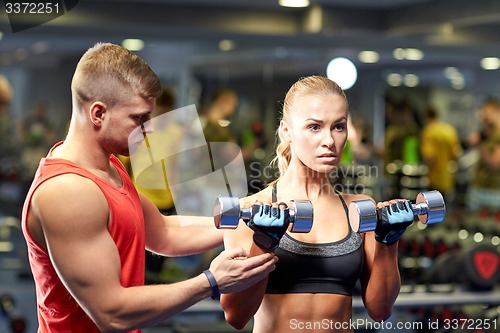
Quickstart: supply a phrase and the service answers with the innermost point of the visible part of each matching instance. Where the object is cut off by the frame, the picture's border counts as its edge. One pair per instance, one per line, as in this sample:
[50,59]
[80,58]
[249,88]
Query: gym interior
[396,60]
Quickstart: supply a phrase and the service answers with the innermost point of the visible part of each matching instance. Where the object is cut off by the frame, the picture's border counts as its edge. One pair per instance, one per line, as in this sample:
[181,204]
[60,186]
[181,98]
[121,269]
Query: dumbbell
[227,213]
[429,208]
[476,266]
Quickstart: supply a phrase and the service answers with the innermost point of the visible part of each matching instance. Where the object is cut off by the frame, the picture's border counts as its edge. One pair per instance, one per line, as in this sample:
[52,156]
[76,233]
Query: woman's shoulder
[265,196]
[350,197]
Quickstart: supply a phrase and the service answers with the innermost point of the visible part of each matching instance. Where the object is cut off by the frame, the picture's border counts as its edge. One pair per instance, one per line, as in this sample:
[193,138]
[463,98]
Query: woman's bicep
[241,237]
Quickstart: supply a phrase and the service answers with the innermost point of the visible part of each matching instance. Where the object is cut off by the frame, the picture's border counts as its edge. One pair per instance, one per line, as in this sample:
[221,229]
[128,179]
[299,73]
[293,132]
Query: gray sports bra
[329,268]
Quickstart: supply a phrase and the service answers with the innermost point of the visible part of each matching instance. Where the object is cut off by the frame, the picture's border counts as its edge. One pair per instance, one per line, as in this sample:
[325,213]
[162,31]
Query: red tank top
[57,309]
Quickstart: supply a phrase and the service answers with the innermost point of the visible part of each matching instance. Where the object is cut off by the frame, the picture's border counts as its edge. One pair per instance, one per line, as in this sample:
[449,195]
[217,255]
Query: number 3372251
[19,7]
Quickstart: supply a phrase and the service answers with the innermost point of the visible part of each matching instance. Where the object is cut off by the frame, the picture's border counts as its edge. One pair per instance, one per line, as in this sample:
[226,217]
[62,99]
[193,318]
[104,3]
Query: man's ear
[97,112]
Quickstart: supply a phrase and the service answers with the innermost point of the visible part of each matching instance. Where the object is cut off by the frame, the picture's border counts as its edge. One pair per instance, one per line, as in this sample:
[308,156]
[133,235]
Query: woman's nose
[328,140]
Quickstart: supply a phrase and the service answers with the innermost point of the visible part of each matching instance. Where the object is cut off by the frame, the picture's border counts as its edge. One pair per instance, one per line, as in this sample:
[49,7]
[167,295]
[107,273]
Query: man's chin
[123,152]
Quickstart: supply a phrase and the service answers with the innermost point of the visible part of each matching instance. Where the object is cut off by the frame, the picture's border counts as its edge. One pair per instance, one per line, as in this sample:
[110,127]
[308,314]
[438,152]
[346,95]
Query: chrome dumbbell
[429,208]
[227,213]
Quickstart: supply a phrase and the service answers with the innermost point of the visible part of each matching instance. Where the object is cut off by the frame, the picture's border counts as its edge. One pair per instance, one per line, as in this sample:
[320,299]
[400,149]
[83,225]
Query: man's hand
[393,217]
[269,224]
[235,272]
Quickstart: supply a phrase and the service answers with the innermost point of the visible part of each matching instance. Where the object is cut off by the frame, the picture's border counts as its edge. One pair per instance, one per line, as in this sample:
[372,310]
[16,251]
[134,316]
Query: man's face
[123,119]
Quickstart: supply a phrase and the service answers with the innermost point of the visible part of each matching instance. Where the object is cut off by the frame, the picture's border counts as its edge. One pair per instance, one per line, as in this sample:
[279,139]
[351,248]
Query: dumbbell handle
[300,214]
[227,213]
[429,208]
[420,209]
[246,214]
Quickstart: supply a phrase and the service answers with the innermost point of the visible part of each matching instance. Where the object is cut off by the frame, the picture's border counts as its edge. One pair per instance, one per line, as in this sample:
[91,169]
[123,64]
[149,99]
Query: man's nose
[147,127]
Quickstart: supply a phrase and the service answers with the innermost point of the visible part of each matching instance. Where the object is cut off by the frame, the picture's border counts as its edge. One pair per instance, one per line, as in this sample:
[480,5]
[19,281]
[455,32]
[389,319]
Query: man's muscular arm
[74,214]
[177,235]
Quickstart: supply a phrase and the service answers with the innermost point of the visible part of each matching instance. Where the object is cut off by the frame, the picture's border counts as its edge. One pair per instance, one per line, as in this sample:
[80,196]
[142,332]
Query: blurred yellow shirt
[440,148]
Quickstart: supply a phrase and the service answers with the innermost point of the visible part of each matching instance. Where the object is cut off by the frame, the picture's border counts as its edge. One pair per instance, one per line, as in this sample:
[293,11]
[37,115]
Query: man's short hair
[108,72]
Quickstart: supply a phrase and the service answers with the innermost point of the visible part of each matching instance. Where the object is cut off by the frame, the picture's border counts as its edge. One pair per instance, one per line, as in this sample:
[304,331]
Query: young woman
[316,272]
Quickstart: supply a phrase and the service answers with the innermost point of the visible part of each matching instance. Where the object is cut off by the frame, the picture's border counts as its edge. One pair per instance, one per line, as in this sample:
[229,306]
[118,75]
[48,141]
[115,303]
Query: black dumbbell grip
[246,214]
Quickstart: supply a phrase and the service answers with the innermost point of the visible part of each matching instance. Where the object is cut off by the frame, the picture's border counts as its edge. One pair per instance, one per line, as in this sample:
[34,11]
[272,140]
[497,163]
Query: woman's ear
[97,112]
[285,132]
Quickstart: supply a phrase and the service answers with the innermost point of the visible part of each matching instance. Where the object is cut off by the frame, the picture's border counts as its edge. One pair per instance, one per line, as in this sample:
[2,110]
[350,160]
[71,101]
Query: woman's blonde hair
[108,72]
[310,85]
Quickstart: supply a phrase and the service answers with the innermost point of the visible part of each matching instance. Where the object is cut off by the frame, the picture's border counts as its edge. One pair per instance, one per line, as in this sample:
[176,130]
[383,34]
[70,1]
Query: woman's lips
[327,157]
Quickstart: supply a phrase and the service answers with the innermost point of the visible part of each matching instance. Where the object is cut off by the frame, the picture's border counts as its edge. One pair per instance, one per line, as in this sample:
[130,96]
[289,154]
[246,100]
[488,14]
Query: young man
[87,227]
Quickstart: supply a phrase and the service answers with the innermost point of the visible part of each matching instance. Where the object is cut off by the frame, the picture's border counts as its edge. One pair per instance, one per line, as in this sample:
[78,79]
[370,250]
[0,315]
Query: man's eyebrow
[142,113]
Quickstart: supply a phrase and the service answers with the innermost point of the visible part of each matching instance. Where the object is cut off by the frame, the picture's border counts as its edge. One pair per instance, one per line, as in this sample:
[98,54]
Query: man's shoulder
[66,187]
[69,196]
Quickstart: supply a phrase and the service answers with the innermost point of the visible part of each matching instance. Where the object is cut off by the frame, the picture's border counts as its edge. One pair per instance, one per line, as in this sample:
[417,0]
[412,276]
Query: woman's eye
[313,127]
[340,127]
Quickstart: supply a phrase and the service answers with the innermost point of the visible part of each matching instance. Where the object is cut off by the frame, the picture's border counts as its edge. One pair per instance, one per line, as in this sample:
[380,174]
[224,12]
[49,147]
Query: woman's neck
[307,182]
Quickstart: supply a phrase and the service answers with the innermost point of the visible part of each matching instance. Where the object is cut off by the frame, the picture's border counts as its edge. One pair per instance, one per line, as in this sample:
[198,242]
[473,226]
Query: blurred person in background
[359,148]
[7,133]
[11,190]
[37,136]
[484,190]
[401,127]
[217,116]
[440,149]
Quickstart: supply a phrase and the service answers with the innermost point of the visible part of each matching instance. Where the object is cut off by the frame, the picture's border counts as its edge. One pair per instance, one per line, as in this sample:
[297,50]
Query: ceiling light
[458,83]
[408,54]
[133,44]
[414,54]
[368,57]
[394,79]
[411,80]
[451,72]
[294,3]
[399,53]
[226,45]
[490,63]
[343,72]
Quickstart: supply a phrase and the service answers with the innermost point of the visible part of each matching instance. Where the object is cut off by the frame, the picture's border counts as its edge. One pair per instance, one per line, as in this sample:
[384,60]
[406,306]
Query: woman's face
[317,130]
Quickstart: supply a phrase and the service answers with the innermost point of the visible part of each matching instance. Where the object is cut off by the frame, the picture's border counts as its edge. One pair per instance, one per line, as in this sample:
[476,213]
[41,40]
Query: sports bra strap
[343,202]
